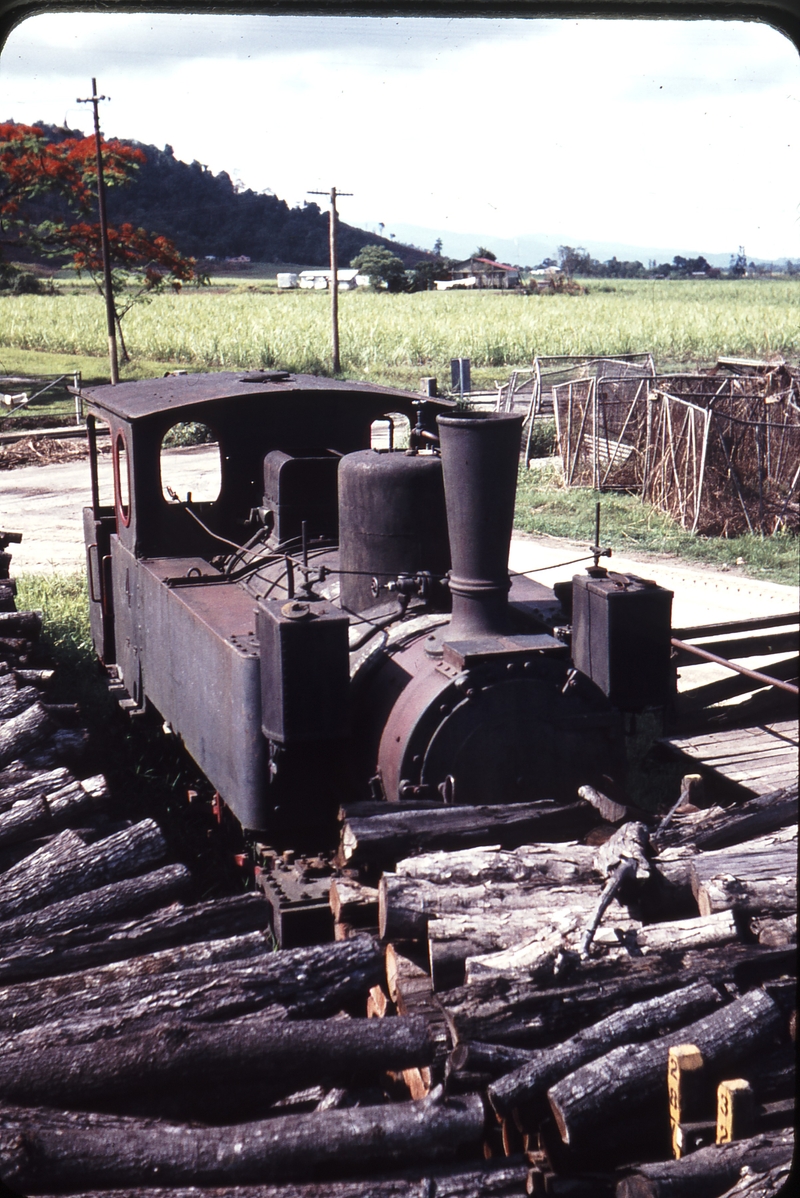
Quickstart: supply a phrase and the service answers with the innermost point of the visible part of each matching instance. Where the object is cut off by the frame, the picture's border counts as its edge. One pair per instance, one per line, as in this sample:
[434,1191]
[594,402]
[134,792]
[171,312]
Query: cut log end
[560,1118]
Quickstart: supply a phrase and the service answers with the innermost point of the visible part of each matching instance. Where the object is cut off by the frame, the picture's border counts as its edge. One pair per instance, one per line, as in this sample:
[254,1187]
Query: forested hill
[204,214]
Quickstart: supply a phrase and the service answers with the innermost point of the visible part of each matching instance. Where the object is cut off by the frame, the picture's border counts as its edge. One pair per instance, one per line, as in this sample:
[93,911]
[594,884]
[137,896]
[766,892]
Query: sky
[639,133]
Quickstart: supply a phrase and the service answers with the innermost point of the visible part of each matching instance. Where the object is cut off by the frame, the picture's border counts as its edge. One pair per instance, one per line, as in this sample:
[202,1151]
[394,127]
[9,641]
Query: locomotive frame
[340,623]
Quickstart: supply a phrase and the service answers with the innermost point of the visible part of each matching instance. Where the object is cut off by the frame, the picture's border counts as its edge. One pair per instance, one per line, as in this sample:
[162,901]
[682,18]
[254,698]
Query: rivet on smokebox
[296,611]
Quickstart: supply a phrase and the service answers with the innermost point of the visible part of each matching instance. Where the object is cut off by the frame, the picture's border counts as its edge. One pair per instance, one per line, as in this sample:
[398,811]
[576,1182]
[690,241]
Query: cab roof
[173,392]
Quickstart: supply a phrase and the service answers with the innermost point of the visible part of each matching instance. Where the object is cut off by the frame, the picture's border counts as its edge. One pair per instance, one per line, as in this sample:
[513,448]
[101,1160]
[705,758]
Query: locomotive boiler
[339,623]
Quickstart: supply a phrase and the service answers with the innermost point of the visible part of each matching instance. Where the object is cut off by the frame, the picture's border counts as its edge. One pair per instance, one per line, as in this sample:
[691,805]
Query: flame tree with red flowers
[33,167]
[141,264]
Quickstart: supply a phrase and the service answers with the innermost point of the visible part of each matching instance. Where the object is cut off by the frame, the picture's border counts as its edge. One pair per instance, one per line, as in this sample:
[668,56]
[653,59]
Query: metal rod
[91,433]
[304,539]
[764,679]
[111,314]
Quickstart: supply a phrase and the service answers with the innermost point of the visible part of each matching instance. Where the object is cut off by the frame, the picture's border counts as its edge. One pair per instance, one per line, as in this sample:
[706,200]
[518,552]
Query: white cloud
[654,132]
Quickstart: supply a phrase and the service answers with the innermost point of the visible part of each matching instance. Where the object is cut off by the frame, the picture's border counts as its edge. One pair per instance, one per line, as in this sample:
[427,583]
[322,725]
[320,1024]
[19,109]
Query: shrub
[543,439]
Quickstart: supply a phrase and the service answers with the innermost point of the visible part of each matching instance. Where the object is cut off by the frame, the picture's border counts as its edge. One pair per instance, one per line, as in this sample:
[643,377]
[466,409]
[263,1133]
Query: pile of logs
[561,999]
[565,979]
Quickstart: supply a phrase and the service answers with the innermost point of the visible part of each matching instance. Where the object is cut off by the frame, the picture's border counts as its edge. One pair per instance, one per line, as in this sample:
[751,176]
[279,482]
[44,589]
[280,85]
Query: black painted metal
[305,680]
[183,634]
[621,638]
[303,416]
[297,489]
[97,532]
[194,656]
[246,654]
[392,521]
[480,456]
[180,396]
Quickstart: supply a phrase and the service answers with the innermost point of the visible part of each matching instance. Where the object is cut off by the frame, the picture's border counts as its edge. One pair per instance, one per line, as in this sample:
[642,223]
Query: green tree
[421,278]
[482,252]
[382,266]
[33,166]
[576,261]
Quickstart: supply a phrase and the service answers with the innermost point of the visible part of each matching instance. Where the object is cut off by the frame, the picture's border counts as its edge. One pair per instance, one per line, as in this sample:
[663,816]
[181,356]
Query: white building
[320,280]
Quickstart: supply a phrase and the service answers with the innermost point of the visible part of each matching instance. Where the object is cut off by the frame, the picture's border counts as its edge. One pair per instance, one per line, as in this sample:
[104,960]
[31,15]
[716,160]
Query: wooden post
[734,1110]
[111,315]
[595,463]
[684,1082]
[337,366]
[692,790]
[647,435]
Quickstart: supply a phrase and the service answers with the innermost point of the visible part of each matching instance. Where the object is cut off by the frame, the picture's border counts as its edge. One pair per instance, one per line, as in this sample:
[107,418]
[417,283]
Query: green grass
[546,507]
[398,338]
[60,409]
[63,600]
[67,639]
[93,368]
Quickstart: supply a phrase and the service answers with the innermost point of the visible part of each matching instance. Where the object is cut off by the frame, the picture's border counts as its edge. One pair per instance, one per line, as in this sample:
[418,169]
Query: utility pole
[337,366]
[111,315]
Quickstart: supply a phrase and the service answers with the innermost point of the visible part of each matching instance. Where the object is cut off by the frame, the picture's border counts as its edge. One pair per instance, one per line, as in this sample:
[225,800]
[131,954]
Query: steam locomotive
[339,623]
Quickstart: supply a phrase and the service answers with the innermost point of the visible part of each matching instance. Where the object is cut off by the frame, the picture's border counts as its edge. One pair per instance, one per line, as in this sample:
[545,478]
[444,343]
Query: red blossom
[131,249]
[31,165]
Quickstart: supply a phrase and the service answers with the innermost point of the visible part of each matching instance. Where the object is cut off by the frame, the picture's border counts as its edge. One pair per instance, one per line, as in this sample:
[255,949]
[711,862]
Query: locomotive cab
[171,625]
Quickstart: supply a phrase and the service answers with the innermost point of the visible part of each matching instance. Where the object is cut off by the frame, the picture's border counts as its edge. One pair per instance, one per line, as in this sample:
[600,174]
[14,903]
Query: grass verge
[94,370]
[547,508]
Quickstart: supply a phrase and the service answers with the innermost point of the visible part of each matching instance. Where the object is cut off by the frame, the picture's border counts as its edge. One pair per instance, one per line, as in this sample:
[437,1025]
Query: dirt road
[45,504]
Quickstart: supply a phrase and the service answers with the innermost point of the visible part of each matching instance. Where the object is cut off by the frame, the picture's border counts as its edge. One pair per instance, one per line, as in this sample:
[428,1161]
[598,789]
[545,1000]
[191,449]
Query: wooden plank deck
[762,758]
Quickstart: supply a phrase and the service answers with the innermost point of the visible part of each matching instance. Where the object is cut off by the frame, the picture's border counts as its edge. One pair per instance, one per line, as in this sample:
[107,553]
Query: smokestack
[480,457]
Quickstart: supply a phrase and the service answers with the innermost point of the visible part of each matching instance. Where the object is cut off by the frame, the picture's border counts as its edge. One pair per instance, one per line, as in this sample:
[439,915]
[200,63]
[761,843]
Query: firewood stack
[547,998]
[560,978]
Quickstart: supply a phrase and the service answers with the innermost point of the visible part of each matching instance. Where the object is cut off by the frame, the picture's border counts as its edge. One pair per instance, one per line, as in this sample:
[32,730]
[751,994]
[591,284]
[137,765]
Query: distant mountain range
[531,248]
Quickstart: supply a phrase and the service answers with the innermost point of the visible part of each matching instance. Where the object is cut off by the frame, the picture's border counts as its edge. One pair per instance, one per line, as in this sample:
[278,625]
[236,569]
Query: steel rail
[764,679]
